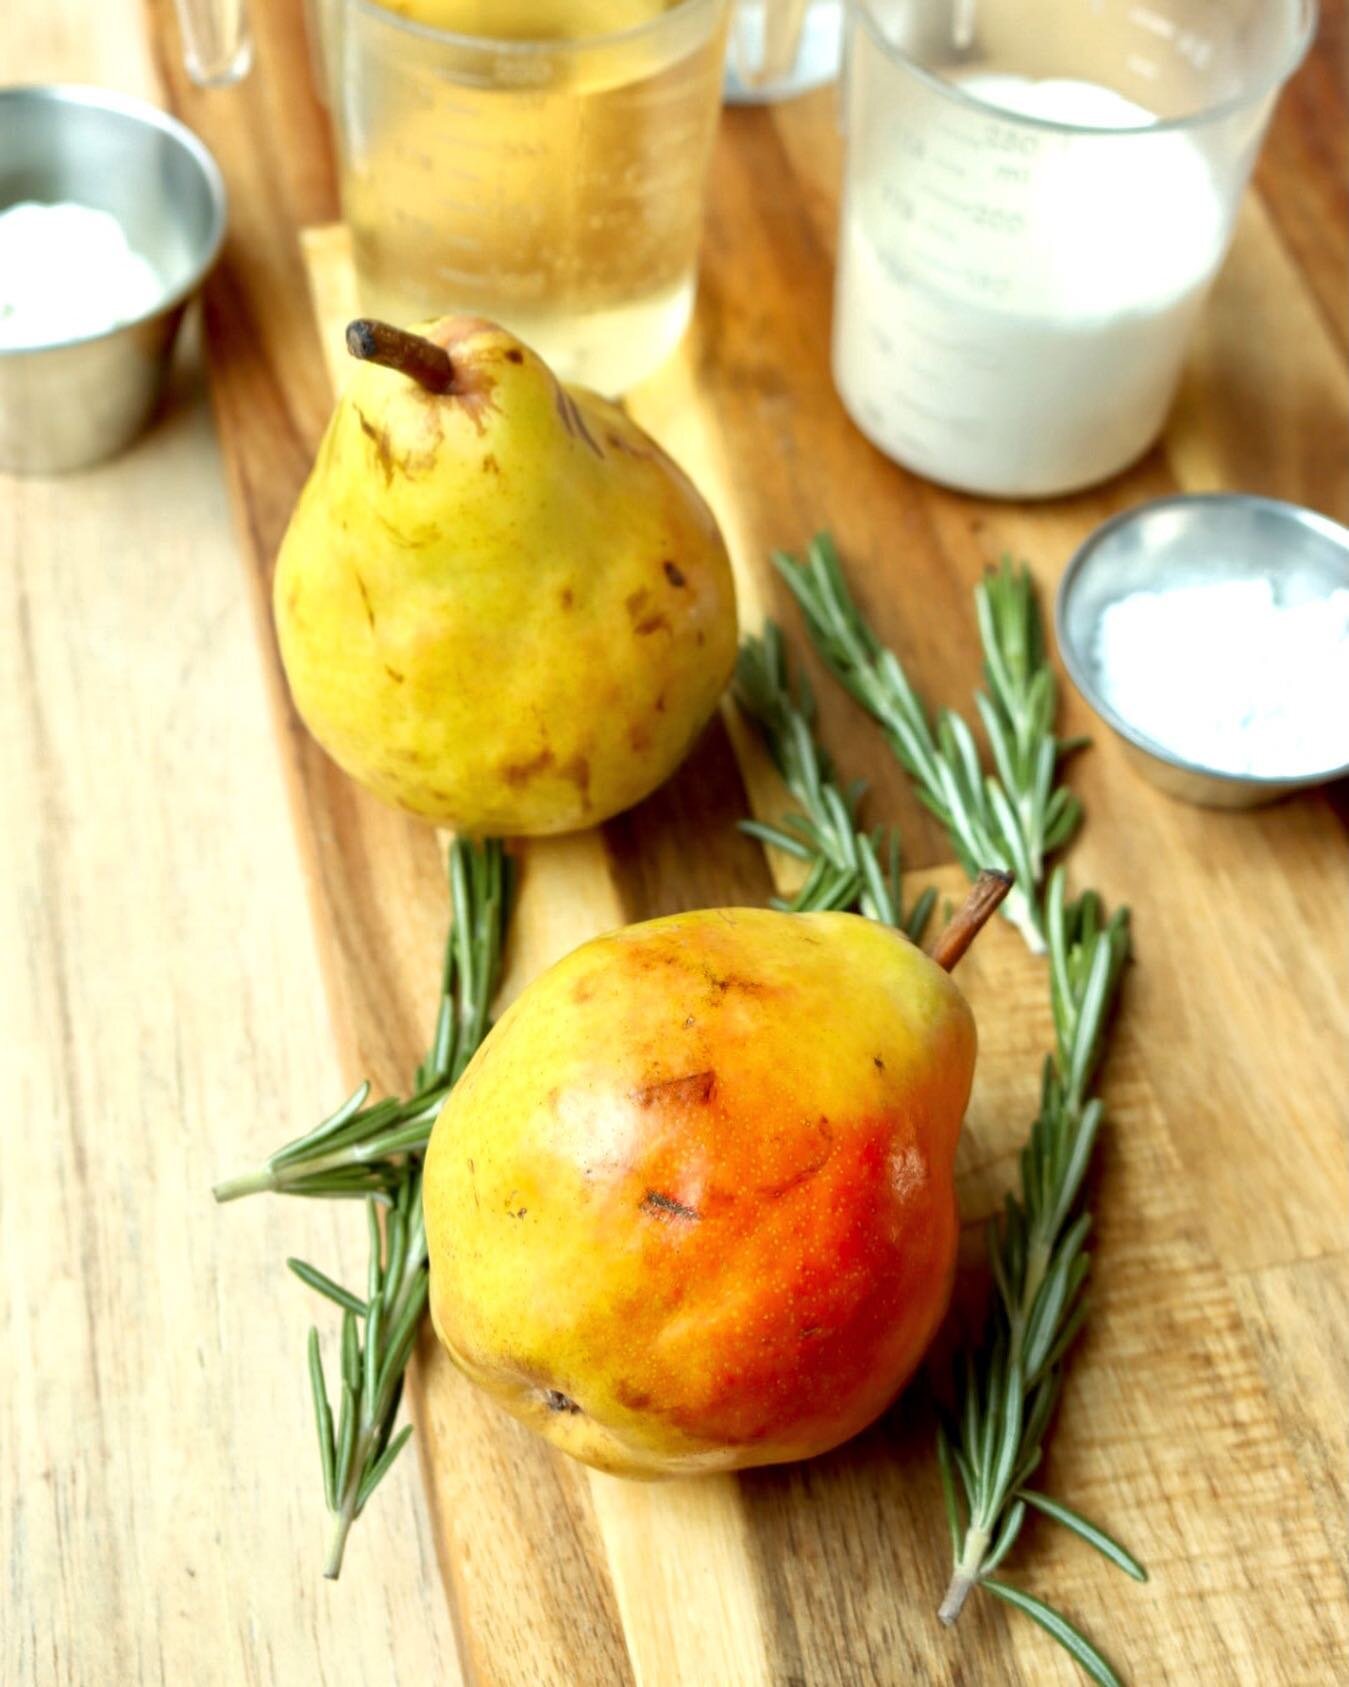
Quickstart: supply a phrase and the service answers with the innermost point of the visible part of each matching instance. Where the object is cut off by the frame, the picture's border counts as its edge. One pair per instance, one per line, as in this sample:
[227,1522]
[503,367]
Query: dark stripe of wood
[681,848]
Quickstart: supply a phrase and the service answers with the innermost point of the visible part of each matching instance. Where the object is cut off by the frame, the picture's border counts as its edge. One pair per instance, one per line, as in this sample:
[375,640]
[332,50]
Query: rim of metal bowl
[141,111]
[1077,663]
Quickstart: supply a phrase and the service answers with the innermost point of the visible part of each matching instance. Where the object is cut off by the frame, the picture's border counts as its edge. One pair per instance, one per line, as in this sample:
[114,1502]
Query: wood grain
[824,1548]
[1303,173]
[817,1553]
[187,879]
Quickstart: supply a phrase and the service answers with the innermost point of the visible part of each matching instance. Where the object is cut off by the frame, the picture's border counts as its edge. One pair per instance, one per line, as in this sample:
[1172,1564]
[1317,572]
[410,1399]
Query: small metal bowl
[70,404]
[1183,541]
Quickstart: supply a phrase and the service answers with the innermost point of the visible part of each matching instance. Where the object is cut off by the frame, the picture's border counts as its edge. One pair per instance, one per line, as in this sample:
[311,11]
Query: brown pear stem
[970,918]
[420,359]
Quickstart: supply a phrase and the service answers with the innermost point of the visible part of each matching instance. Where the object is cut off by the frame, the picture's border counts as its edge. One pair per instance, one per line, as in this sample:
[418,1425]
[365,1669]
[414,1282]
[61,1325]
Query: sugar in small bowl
[111,214]
[68,272]
[1211,631]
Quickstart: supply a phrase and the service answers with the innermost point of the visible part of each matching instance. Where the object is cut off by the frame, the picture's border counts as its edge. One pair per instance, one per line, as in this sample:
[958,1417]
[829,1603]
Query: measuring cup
[1038,194]
[549,175]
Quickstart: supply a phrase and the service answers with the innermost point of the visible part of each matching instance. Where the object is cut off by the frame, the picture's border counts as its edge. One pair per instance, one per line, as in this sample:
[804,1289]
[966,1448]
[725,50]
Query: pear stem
[969,919]
[418,358]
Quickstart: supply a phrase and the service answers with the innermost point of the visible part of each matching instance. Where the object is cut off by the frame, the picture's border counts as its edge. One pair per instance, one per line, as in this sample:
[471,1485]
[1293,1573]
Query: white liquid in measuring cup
[1013,303]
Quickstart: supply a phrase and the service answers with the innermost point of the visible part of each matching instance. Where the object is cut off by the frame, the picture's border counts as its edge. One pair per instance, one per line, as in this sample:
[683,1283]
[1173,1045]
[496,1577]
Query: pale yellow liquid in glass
[559,193]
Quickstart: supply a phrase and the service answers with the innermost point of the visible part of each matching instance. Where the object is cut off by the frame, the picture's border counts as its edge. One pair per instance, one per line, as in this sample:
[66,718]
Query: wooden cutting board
[1204,1413]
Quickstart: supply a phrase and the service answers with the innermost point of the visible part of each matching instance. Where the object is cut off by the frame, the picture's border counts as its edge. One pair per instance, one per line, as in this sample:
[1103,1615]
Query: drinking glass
[548,174]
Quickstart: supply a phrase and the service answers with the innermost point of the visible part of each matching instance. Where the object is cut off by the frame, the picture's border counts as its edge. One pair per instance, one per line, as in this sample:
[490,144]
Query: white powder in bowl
[67,272]
[1229,677]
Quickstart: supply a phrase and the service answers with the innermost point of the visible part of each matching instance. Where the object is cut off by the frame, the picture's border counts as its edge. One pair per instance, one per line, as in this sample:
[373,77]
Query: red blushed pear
[500,605]
[691,1205]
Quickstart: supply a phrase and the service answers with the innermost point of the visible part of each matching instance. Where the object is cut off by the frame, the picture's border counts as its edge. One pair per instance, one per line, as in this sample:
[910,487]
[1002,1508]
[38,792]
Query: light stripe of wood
[332,287]
[566,895]
[680,1558]
[670,407]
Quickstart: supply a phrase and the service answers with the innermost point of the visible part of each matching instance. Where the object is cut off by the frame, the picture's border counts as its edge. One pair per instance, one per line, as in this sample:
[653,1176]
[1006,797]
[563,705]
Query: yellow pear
[500,605]
[691,1205]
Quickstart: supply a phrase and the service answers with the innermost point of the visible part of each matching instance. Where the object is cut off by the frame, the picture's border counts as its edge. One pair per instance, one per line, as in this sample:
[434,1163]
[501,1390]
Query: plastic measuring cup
[1038,194]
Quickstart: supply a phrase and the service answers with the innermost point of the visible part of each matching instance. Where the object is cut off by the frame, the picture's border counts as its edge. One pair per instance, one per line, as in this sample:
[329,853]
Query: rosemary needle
[1016,817]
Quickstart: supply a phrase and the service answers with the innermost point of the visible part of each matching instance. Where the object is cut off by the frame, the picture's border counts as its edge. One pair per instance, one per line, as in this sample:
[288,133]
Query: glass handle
[217,46]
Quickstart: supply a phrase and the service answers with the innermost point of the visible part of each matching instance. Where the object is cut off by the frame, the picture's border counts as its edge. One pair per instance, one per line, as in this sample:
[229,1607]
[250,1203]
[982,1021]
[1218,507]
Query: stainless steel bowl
[1187,540]
[70,404]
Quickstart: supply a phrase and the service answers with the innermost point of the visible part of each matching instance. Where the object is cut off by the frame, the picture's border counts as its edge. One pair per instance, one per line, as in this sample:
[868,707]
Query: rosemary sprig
[1014,818]
[1037,1249]
[1040,1266]
[360,1150]
[844,862]
[375,1152]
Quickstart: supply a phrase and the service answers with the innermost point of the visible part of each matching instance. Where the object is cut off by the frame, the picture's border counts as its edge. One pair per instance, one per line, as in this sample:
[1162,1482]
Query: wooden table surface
[207,933]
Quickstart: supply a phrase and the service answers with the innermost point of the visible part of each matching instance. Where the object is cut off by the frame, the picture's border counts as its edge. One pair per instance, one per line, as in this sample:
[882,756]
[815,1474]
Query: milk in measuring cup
[1013,302]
